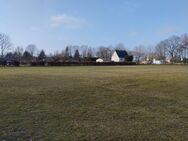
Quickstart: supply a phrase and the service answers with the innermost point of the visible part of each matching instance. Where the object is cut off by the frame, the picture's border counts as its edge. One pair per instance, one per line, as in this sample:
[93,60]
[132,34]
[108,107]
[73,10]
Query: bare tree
[105,53]
[87,51]
[84,49]
[90,52]
[160,51]
[5,43]
[58,56]
[173,47]
[185,45]
[150,49]
[32,49]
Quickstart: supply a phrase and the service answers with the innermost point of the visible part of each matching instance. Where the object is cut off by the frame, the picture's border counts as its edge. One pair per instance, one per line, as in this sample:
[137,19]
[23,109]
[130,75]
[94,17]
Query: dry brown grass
[94,103]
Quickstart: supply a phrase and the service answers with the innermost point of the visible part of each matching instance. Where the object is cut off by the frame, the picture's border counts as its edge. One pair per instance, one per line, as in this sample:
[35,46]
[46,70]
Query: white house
[136,59]
[99,60]
[157,62]
[119,56]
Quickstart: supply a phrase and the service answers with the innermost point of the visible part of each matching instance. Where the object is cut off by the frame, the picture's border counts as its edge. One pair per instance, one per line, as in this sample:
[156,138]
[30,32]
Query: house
[99,60]
[157,62]
[119,56]
[136,59]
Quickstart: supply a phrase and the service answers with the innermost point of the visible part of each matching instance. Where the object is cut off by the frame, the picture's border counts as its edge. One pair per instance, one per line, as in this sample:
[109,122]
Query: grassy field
[94,103]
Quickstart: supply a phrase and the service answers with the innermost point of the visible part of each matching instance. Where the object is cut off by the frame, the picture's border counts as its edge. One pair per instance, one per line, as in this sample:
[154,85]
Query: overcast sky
[53,24]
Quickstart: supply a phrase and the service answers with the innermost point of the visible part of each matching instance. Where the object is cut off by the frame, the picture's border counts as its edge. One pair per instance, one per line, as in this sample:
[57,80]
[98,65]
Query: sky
[54,24]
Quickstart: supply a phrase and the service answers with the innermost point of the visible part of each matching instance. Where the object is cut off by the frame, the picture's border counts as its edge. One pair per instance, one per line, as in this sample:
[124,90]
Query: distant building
[157,62]
[119,56]
[99,60]
[136,59]
[168,61]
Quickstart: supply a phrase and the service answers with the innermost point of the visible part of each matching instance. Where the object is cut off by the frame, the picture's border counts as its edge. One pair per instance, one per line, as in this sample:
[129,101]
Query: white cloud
[67,21]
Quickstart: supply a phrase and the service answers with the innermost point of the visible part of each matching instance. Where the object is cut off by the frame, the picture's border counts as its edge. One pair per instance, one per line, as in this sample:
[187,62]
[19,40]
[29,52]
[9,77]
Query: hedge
[80,63]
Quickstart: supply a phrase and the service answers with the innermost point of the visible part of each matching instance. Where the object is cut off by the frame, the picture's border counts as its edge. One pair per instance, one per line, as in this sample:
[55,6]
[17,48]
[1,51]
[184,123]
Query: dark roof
[121,53]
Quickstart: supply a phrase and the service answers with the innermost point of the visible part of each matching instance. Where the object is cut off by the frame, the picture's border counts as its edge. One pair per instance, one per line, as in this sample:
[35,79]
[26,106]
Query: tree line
[174,48]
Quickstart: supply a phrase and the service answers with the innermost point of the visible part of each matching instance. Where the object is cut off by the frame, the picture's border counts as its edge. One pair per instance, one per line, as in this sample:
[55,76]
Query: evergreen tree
[27,56]
[42,55]
[77,55]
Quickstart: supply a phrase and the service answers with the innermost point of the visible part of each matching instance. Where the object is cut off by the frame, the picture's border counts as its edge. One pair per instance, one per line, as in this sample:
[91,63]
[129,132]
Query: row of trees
[174,48]
[69,54]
